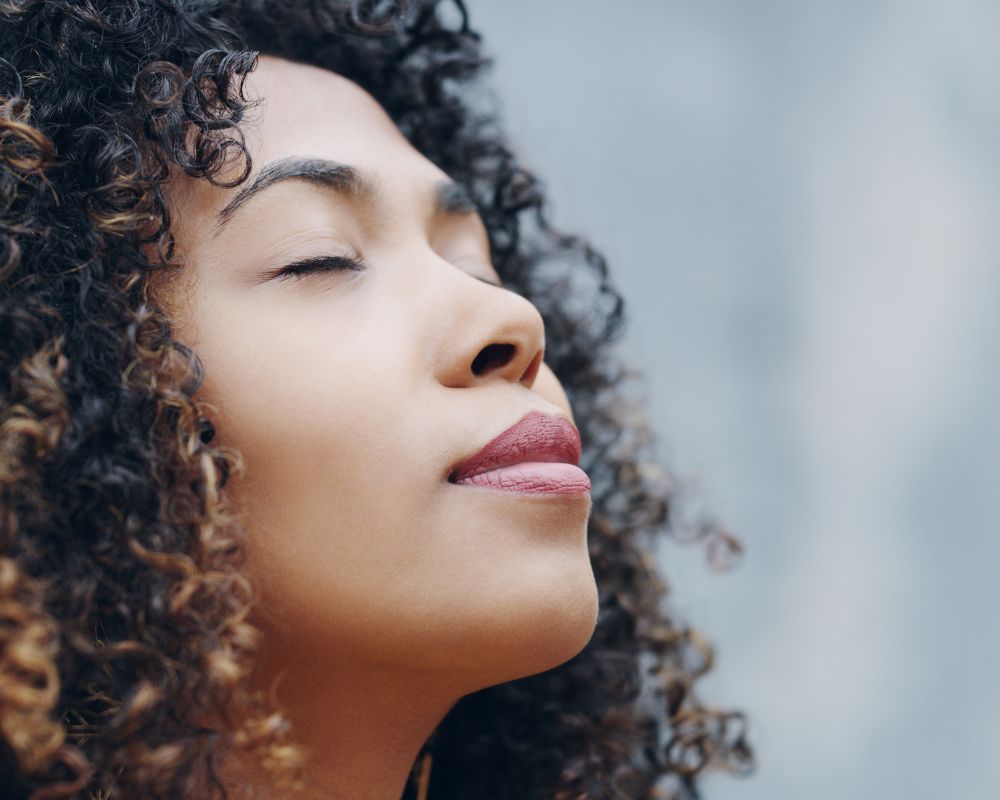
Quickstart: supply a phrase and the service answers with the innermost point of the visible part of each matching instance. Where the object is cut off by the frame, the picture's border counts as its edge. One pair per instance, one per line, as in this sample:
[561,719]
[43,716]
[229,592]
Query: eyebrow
[450,197]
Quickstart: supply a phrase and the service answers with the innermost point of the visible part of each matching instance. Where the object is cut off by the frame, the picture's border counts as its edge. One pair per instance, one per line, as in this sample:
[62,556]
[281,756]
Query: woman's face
[351,394]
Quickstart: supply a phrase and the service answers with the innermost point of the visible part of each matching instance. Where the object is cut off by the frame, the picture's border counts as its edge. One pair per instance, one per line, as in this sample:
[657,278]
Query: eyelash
[307,266]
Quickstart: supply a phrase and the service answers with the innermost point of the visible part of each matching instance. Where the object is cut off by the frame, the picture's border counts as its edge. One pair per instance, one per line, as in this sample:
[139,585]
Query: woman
[296,378]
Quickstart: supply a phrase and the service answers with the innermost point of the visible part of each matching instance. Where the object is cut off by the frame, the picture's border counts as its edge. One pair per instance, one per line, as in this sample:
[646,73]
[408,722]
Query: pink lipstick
[537,455]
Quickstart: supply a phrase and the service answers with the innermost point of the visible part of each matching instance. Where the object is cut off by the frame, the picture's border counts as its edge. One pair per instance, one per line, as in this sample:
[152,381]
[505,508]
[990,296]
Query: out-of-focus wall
[801,203]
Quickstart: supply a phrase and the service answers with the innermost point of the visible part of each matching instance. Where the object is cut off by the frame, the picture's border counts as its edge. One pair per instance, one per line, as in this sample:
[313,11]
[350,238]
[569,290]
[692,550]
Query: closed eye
[324,263]
[331,263]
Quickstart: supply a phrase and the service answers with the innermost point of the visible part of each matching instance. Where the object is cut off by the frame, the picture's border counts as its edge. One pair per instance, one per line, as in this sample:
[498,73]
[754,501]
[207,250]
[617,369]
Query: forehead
[303,110]
[304,104]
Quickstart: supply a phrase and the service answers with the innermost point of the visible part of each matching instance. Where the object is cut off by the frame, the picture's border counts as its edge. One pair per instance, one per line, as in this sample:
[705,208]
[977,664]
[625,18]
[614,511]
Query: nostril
[492,356]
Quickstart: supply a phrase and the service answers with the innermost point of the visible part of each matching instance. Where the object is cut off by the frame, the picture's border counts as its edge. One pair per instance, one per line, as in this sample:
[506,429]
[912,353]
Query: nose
[496,334]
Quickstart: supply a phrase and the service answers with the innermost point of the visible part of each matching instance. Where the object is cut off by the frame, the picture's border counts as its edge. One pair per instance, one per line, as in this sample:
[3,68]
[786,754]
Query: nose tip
[488,332]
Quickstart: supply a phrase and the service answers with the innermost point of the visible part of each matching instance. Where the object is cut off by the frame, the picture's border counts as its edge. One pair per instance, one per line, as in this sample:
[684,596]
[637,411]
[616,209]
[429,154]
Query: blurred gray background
[799,200]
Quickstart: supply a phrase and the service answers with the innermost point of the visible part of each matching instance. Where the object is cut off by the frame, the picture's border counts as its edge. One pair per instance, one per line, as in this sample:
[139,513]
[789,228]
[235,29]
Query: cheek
[292,373]
[339,474]
[312,405]
[354,542]
[299,397]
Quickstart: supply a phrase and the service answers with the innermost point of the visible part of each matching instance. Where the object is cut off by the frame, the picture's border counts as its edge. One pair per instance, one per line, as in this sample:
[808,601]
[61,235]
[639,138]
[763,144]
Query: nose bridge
[479,332]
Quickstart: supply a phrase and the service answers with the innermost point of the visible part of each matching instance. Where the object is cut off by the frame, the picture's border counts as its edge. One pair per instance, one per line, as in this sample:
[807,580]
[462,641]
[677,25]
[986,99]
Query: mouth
[537,455]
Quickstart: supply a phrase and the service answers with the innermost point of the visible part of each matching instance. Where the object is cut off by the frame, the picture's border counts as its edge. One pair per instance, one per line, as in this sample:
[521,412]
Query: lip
[539,454]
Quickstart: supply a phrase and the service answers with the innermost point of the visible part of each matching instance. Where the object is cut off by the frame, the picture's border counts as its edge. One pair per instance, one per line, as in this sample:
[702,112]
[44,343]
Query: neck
[361,726]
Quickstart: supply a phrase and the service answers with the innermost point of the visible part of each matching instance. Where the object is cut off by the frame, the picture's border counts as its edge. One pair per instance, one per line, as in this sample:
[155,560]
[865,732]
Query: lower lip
[533,477]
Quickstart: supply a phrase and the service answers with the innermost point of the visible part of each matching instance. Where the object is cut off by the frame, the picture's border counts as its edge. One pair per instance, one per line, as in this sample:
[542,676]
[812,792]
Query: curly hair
[125,646]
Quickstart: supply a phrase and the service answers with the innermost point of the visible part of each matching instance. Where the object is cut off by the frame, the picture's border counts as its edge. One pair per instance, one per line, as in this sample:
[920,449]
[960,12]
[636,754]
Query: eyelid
[311,265]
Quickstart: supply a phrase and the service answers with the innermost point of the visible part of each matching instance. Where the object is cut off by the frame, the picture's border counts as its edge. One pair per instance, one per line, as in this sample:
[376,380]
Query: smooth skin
[387,593]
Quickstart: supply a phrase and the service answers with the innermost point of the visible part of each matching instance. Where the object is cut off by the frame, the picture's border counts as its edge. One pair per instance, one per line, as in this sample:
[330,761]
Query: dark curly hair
[124,643]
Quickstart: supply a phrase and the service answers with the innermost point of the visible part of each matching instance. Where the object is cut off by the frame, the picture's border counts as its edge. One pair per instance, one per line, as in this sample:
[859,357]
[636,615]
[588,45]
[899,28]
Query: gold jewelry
[423,781]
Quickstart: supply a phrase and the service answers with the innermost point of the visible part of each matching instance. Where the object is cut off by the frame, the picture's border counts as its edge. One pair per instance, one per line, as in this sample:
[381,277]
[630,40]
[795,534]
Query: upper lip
[535,437]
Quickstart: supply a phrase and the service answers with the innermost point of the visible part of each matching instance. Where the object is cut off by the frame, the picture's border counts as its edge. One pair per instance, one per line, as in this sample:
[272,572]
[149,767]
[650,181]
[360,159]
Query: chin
[548,629]
[567,633]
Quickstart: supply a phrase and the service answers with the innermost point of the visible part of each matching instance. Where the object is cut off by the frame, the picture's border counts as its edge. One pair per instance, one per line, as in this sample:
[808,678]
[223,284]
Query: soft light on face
[351,393]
